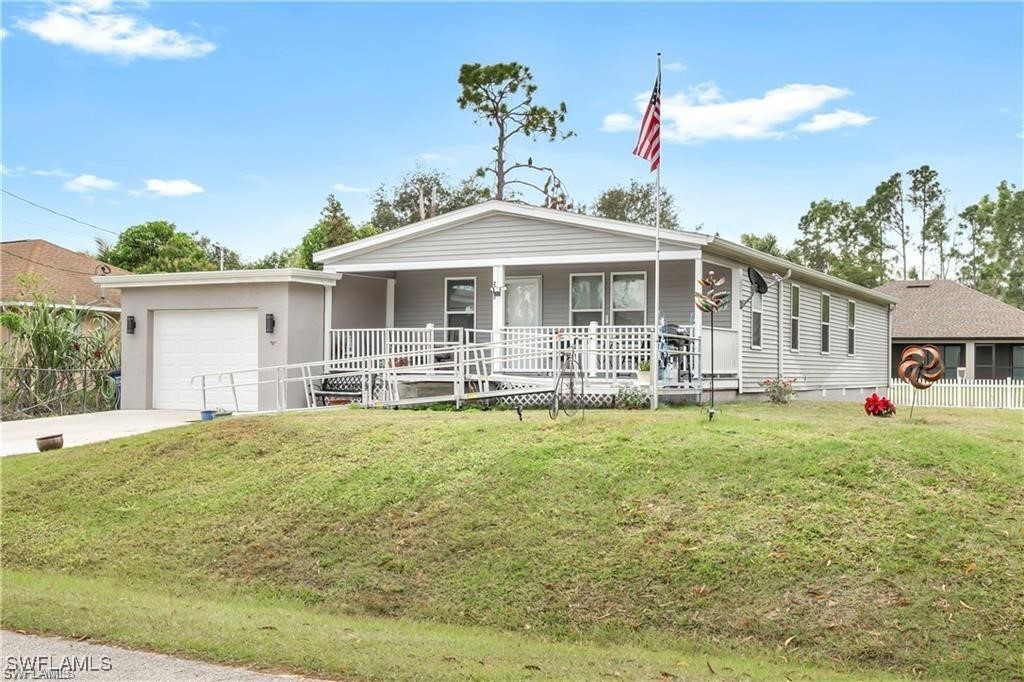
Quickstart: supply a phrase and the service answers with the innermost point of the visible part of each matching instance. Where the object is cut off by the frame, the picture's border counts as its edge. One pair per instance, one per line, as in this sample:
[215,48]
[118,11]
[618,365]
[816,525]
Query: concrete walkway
[111,664]
[19,436]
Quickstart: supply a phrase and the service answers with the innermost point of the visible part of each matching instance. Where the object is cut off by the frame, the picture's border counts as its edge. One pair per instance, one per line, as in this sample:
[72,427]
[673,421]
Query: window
[756,318]
[826,322]
[586,298]
[629,298]
[984,361]
[459,304]
[952,357]
[794,318]
[851,326]
[1018,363]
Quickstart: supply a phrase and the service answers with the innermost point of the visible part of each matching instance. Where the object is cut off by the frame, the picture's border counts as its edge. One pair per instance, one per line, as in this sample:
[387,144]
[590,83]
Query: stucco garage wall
[297,310]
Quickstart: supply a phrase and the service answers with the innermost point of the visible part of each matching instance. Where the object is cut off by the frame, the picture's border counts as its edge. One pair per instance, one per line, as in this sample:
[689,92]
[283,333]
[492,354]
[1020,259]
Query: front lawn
[810,533]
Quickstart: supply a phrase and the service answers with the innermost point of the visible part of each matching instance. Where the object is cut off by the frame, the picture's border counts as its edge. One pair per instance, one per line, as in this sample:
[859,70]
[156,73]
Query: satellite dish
[757,282]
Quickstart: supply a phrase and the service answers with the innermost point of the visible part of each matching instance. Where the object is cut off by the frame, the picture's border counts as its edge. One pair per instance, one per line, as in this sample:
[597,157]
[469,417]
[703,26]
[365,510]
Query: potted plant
[643,372]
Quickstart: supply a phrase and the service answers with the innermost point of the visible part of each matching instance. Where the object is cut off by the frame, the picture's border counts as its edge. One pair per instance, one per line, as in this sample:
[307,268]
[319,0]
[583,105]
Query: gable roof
[64,273]
[944,309]
[495,207]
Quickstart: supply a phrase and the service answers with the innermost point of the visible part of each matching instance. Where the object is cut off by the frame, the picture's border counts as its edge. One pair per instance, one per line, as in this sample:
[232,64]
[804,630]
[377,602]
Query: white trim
[80,306]
[611,297]
[851,304]
[493,207]
[575,259]
[328,320]
[389,313]
[540,297]
[822,323]
[497,304]
[173,279]
[476,307]
[756,306]
[604,298]
[799,326]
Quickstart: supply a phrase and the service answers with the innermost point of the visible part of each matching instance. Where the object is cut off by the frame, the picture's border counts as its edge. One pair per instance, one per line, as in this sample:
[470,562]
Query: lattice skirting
[590,400]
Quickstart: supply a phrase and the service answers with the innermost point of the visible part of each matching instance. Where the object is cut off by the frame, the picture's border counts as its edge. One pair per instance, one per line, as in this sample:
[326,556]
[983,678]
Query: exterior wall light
[129,325]
[270,323]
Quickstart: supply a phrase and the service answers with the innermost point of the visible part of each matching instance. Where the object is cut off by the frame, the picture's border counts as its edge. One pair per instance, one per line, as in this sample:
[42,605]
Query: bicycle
[568,392]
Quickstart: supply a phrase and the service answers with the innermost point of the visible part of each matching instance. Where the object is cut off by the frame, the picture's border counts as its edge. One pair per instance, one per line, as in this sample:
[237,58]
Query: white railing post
[592,348]
[428,357]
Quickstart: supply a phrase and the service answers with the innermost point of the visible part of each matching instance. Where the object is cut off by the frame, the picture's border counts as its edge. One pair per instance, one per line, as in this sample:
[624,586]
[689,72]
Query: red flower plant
[879,406]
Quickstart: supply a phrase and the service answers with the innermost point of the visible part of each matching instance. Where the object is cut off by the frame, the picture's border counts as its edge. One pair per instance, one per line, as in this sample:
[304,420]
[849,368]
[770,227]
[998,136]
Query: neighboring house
[511,273]
[65,275]
[979,337]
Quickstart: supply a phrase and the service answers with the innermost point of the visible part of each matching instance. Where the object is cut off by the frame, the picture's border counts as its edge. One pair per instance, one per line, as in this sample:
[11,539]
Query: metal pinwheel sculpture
[920,366]
[710,299]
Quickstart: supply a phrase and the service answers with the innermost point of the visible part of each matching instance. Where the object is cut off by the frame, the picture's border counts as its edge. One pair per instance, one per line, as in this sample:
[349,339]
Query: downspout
[778,327]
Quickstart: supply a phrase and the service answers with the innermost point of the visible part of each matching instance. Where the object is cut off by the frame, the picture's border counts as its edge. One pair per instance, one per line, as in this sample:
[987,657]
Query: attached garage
[175,326]
[191,342]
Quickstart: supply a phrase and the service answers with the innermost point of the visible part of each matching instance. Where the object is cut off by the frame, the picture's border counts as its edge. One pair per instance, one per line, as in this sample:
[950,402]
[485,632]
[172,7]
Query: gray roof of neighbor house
[944,309]
[63,273]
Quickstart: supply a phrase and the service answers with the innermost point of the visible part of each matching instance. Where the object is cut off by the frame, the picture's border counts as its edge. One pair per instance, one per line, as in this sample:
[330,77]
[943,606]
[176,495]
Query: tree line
[904,230]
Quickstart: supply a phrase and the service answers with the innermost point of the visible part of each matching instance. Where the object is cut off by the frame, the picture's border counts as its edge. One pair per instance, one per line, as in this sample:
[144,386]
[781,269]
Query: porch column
[328,323]
[389,315]
[497,313]
[698,322]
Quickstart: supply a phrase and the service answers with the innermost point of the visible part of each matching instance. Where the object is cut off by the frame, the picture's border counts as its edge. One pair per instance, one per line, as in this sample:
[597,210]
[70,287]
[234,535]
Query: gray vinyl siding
[676,288]
[812,369]
[502,237]
[419,294]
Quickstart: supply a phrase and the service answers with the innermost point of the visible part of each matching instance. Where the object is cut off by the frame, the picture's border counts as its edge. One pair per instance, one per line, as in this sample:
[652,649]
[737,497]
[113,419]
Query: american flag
[648,145]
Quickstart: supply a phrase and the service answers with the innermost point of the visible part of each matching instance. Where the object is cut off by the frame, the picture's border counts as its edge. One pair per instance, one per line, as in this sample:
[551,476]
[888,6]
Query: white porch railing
[991,393]
[727,350]
[609,352]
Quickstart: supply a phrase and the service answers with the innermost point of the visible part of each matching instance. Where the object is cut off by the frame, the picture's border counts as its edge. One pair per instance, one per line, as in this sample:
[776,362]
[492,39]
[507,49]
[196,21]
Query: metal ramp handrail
[461,362]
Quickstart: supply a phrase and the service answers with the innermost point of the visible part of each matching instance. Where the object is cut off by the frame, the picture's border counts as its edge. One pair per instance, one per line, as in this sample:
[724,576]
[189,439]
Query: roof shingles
[65,274]
[944,309]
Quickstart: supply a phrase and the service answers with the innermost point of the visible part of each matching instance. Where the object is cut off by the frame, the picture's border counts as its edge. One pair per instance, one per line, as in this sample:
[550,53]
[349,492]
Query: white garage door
[190,342]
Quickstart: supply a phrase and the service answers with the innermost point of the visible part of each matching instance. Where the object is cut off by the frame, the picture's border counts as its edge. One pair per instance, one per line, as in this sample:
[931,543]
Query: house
[504,283]
[65,275]
[979,337]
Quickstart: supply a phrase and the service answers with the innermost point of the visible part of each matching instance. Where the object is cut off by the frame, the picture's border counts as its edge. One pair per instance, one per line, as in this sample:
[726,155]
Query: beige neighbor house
[489,297]
[979,337]
[64,275]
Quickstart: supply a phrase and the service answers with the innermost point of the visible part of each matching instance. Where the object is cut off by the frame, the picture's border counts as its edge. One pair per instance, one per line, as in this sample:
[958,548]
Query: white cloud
[3,33]
[430,156]
[840,118]
[7,170]
[342,187]
[674,66]
[97,26]
[54,173]
[703,113]
[173,188]
[89,183]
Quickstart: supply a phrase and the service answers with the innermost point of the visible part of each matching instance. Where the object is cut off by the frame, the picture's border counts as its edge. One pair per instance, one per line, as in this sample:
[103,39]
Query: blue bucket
[207,415]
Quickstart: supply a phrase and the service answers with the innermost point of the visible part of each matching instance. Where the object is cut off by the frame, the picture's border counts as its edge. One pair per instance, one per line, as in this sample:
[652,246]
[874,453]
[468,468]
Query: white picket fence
[993,393]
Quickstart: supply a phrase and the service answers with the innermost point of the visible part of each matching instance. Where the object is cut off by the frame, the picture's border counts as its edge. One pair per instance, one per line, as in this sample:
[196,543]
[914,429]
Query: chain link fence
[30,392]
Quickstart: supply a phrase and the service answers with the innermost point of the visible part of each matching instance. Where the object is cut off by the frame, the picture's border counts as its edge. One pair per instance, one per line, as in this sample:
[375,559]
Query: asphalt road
[102,663]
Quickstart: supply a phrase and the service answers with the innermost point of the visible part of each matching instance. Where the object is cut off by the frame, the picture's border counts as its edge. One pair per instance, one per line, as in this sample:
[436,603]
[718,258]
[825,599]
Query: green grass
[810,532]
[280,634]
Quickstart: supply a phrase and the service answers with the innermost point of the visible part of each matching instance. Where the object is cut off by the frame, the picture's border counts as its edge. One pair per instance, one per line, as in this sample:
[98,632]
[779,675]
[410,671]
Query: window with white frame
[756,320]
[851,326]
[794,318]
[459,303]
[826,322]
[629,298]
[586,298]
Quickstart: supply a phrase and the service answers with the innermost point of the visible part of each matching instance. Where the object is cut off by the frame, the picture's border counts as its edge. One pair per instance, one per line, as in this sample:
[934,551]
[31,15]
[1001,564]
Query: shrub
[779,390]
[879,406]
[632,397]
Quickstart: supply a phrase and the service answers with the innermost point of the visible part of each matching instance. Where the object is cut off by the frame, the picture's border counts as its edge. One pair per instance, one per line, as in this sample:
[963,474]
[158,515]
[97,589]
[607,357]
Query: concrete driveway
[19,436]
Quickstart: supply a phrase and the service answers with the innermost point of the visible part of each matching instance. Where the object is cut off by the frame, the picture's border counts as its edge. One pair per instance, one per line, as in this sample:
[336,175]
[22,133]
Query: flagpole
[656,337]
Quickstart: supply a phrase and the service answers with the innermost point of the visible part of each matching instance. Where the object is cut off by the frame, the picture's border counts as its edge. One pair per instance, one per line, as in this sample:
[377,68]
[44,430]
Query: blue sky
[237,119]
